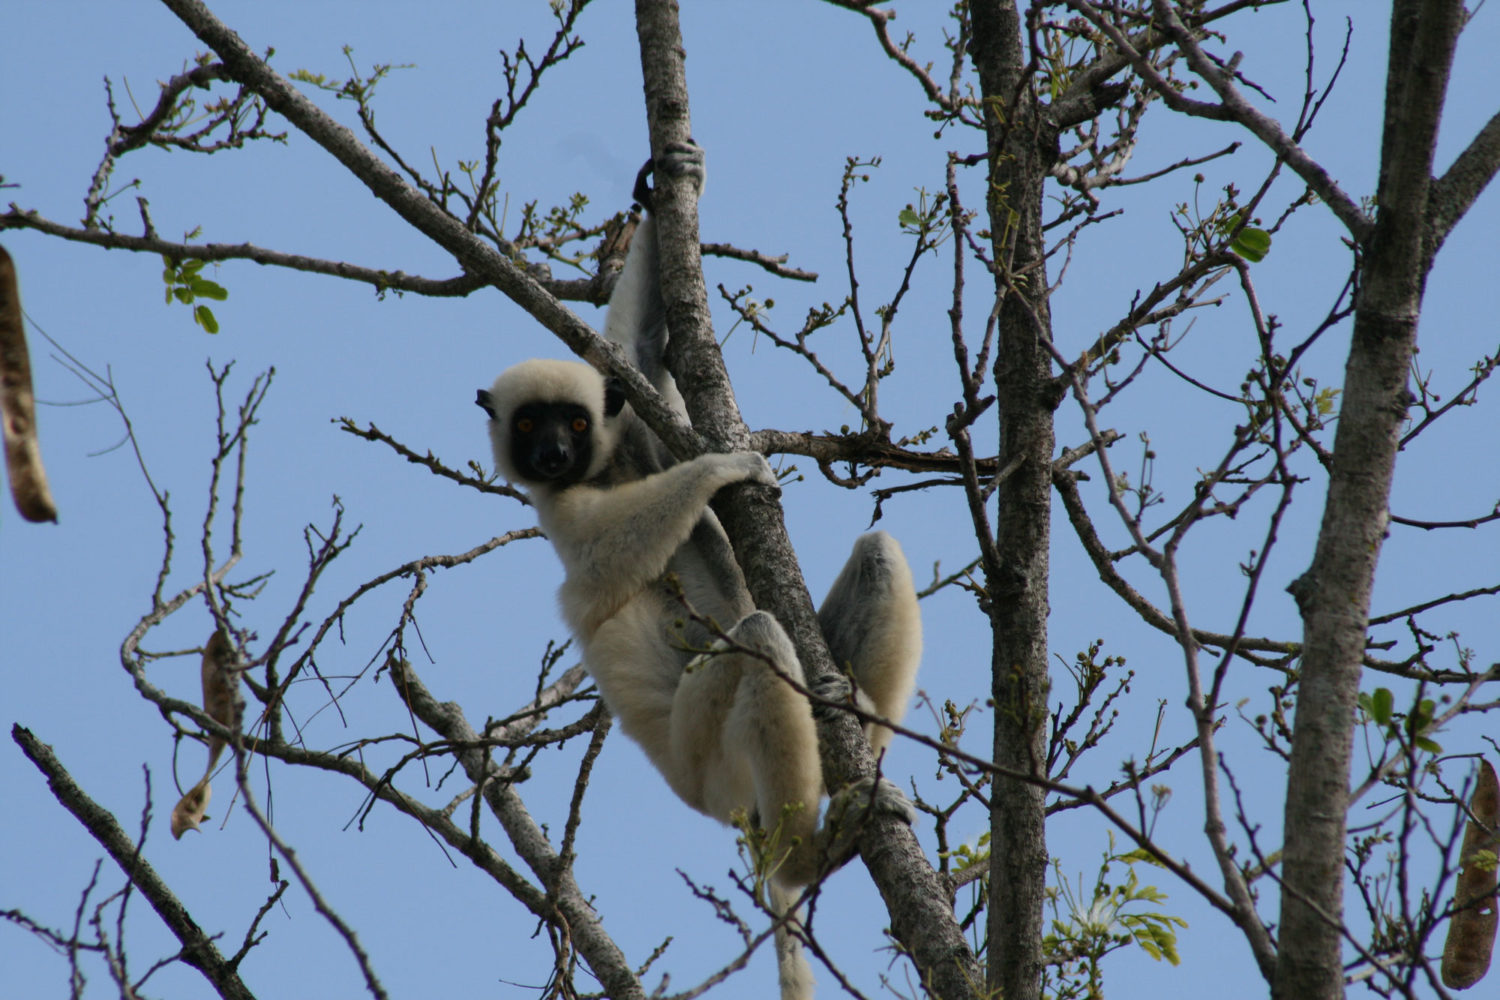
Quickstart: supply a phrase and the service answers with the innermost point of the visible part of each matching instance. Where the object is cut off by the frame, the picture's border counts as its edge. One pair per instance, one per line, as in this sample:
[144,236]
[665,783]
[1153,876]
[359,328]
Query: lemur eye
[524,425]
[580,424]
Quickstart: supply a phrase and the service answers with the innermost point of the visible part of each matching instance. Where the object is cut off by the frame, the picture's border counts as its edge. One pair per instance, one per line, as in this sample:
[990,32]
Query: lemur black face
[551,442]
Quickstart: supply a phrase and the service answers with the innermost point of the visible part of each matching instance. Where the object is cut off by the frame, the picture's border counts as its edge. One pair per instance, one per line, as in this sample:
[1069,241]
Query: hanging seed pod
[221,700]
[23,455]
[1471,932]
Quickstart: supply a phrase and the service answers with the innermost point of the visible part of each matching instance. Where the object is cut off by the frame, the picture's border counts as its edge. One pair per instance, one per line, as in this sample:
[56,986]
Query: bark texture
[1022,145]
[1333,595]
[921,914]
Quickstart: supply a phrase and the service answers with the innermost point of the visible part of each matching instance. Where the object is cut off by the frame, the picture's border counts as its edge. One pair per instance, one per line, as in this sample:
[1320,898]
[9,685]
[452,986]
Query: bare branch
[563,894]
[1233,107]
[372,433]
[477,257]
[198,949]
[879,18]
[774,264]
[1453,193]
[351,940]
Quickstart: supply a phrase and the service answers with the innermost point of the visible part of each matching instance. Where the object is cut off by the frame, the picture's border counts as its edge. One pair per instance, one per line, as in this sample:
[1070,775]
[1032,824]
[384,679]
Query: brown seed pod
[1471,931]
[23,454]
[221,700]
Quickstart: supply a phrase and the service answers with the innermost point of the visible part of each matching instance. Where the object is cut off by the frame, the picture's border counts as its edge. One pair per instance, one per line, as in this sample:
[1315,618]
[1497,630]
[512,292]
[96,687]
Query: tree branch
[198,949]
[581,922]
[1233,107]
[1333,595]
[921,917]
[18,218]
[1453,193]
[477,257]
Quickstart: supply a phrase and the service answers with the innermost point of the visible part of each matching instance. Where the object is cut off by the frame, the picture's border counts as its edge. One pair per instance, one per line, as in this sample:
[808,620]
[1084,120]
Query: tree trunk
[1334,594]
[1022,145]
[921,913]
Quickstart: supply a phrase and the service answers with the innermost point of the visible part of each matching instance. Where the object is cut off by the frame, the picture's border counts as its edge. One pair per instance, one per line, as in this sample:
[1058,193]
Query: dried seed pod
[23,454]
[221,700]
[191,809]
[221,688]
[1471,931]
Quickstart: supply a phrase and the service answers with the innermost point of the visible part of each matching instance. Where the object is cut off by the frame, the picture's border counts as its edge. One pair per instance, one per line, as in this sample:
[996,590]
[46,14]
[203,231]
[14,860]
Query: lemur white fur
[636,537]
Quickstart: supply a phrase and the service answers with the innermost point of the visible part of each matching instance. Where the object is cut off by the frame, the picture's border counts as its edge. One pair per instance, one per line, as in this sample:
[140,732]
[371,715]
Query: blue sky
[781,93]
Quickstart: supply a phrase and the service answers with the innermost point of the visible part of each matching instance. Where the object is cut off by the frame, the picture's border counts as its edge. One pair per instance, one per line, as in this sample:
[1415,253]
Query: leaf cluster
[186,284]
[1089,924]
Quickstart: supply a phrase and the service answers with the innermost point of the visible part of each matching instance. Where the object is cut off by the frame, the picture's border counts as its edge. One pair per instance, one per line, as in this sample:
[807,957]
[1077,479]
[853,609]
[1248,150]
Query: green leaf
[1252,244]
[204,317]
[907,217]
[208,289]
[1380,706]
[184,295]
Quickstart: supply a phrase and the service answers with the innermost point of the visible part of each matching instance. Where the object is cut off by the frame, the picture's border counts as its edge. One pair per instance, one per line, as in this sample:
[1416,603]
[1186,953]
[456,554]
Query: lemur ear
[485,403]
[614,397]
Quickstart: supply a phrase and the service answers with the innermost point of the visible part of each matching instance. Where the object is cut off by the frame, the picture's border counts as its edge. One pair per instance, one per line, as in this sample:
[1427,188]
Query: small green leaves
[1414,726]
[1377,705]
[357,88]
[1089,924]
[1139,854]
[186,285]
[1419,722]
[1226,226]
[927,219]
[966,856]
[204,317]
[1250,243]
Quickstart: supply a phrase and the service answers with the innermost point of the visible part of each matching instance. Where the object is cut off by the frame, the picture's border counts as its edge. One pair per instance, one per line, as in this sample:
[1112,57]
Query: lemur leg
[751,736]
[637,318]
[771,724]
[873,628]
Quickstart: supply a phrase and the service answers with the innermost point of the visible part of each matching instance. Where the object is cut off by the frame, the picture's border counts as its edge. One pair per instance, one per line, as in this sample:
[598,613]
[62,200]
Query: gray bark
[1022,146]
[1333,595]
[921,915]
